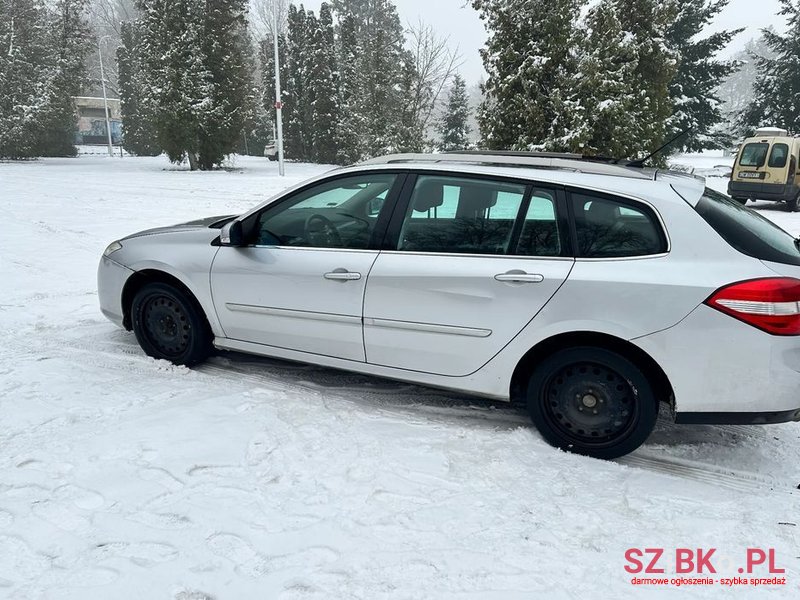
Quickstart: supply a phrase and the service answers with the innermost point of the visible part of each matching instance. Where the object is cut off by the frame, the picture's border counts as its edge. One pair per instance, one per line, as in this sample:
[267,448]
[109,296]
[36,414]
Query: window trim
[381,224]
[624,200]
[392,237]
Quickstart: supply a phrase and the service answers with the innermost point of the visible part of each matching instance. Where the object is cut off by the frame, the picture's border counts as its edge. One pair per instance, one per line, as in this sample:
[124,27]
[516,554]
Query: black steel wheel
[169,325]
[592,401]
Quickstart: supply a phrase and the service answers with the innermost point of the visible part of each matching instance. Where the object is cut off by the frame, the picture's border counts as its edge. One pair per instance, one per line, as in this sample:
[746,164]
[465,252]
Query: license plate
[750,175]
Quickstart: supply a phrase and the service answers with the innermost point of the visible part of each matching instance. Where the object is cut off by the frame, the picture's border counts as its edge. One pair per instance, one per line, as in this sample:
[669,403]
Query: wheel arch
[519,379]
[141,278]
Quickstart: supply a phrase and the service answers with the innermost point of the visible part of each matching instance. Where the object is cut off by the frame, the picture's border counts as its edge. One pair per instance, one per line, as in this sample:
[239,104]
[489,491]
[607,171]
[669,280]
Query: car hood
[206,223]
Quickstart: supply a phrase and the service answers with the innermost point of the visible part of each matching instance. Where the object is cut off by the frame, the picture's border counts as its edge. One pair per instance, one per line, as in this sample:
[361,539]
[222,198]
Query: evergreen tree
[140,137]
[453,126]
[225,49]
[24,76]
[647,23]
[324,82]
[197,76]
[776,100]
[736,92]
[378,36]
[528,61]
[351,125]
[604,109]
[70,41]
[694,88]
[299,119]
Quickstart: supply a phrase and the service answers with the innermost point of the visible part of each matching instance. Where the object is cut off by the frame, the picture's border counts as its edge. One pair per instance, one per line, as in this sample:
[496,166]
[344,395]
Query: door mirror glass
[232,234]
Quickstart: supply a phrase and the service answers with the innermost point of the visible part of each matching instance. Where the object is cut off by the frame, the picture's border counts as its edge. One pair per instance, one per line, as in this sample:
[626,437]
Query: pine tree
[694,88]
[324,82]
[776,99]
[528,61]
[453,126]
[24,75]
[736,91]
[140,136]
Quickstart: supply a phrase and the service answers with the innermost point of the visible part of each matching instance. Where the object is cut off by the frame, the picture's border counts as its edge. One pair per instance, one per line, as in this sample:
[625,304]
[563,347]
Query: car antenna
[639,163]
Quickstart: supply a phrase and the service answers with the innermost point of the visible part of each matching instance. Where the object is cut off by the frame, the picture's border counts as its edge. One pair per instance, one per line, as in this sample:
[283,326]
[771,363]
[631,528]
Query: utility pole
[105,98]
[278,102]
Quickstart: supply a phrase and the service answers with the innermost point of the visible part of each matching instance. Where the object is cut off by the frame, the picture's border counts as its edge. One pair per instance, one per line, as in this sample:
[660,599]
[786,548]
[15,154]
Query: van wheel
[592,401]
[792,205]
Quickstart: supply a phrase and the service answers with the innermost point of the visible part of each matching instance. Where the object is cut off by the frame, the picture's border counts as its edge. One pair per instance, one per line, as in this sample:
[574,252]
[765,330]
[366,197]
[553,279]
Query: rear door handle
[519,277]
[342,275]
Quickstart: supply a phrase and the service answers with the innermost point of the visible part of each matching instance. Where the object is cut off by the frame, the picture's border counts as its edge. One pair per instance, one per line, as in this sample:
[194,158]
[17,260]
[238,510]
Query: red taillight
[772,304]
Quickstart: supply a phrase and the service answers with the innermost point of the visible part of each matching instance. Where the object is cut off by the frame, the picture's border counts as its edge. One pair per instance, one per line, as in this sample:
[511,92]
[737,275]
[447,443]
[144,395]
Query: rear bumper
[724,371]
[762,191]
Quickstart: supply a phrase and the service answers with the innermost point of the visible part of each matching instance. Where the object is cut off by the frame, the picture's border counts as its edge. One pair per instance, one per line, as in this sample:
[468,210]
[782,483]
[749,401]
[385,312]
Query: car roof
[559,169]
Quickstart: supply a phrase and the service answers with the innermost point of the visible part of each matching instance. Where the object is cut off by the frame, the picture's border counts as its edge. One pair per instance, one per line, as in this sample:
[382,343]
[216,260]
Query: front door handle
[519,277]
[342,275]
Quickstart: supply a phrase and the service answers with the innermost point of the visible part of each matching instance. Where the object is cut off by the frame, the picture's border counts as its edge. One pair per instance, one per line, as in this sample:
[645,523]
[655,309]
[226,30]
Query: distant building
[91,120]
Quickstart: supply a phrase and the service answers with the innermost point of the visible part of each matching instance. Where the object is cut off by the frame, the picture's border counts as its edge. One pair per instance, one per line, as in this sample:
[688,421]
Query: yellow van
[767,167]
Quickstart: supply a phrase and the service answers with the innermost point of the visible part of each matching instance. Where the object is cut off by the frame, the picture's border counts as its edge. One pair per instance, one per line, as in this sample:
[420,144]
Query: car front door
[299,282]
[470,262]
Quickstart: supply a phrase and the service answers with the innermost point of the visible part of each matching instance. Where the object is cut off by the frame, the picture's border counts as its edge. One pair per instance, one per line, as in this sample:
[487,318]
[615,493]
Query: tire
[591,401]
[792,204]
[169,325]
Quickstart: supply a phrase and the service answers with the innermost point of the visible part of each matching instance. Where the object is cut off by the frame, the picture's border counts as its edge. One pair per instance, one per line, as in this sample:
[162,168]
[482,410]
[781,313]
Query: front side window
[611,228]
[335,214]
[461,216]
[778,156]
[754,155]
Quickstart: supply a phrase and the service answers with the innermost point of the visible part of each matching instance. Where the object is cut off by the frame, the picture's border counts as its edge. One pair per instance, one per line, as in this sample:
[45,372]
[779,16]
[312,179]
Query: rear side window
[746,230]
[461,216]
[754,155]
[614,228]
[778,156]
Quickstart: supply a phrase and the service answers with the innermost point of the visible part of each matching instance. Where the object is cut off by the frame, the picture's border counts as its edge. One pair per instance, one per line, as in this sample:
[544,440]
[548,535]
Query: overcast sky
[458,21]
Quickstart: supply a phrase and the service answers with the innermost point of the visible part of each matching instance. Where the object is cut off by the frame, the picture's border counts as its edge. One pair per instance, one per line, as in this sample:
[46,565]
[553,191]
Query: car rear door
[468,262]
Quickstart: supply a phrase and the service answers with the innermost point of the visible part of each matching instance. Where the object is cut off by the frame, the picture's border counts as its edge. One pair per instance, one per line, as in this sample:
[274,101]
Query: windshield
[746,230]
[754,155]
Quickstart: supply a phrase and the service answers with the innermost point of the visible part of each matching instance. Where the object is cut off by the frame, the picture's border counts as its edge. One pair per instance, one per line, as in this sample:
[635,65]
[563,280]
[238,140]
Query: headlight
[112,247]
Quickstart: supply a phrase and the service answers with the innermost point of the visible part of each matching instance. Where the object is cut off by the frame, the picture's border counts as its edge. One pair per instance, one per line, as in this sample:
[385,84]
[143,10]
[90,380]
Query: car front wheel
[591,401]
[169,326]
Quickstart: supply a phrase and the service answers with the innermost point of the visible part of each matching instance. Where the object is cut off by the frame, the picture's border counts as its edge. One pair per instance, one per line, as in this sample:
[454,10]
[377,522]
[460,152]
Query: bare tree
[106,18]
[435,64]
[262,16]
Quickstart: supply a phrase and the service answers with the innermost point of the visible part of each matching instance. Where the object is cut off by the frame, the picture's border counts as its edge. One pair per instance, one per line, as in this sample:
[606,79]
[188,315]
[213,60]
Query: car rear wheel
[169,326]
[591,401]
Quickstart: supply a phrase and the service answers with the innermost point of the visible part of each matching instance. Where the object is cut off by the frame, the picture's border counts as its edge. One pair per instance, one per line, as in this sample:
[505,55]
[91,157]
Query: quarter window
[335,214]
[464,216]
[778,156]
[610,228]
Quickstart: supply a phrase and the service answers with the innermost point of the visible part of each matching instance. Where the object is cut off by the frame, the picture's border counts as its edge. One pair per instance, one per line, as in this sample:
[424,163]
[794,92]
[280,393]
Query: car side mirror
[232,234]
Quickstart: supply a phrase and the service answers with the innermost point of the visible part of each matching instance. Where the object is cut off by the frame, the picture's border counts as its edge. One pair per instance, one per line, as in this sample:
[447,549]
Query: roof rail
[529,160]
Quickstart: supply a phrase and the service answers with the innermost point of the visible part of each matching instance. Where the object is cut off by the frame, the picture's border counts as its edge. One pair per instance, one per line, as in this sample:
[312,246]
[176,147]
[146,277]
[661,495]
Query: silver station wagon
[588,292]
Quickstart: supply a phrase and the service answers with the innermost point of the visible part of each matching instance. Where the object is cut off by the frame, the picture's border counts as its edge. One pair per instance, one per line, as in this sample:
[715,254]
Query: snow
[124,477]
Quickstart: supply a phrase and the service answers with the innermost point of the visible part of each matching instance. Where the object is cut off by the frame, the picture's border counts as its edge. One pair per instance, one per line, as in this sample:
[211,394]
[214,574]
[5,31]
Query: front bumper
[111,278]
[725,371]
[762,191]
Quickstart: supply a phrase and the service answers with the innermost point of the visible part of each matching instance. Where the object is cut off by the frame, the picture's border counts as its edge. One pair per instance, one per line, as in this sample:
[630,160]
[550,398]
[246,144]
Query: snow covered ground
[123,477]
